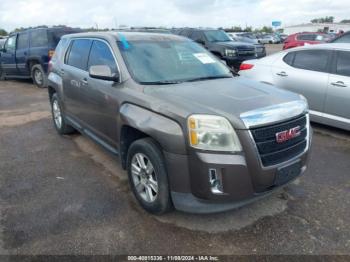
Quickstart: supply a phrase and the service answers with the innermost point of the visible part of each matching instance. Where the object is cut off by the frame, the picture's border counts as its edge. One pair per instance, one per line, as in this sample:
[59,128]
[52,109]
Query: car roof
[329,46]
[128,35]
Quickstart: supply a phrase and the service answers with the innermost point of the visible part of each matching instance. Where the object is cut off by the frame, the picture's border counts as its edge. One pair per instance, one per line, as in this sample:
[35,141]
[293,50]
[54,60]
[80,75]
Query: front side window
[11,43]
[314,60]
[168,60]
[39,38]
[23,41]
[343,63]
[79,53]
[216,36]
[101,55]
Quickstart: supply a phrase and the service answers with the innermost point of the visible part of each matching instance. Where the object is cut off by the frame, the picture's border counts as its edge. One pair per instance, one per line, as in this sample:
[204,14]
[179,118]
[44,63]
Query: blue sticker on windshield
[125,42]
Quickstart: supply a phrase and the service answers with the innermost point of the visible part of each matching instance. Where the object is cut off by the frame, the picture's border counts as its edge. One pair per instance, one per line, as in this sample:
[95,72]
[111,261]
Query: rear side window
[196,35]
[314,60]
[343,63]
[288,58]
[39,38]
[23,41]
[306,37]
[79,53]
[101,55]
[342,39]
[59,50]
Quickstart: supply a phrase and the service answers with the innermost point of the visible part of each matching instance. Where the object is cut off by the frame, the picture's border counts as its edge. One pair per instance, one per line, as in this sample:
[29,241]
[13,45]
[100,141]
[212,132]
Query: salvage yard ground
[66,195]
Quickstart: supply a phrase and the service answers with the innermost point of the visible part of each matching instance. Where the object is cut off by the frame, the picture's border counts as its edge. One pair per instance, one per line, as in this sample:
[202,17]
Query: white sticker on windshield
[204,58]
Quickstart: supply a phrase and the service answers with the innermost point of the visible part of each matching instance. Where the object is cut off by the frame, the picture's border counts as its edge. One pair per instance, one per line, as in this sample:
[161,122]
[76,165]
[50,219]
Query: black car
[221,45]
[26,54]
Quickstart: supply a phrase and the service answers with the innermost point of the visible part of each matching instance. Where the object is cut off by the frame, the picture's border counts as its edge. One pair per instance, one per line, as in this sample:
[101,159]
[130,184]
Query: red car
[300,39]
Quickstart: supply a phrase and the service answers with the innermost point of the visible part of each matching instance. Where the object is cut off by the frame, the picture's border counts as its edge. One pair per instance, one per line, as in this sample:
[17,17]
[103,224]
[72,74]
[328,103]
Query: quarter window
[39,38]
[22,41]
[343,63]
[314,60]
[343,39]
[79,53]
[288,59]
[101,55]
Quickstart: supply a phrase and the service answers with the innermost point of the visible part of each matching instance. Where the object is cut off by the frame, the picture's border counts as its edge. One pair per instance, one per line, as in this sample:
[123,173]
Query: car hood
[246,103]
[237,45]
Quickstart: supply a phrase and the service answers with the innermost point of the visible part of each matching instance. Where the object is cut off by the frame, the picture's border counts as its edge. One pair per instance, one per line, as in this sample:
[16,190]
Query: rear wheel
[58,117]
[39,76]
[148,177]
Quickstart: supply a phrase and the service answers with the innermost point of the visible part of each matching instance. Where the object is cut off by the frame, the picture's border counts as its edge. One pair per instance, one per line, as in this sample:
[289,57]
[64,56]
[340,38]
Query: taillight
[50,66]
[51,53]
[246,66]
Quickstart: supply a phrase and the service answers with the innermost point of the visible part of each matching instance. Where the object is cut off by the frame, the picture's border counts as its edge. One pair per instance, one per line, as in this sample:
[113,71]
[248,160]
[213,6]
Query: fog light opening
[215,181]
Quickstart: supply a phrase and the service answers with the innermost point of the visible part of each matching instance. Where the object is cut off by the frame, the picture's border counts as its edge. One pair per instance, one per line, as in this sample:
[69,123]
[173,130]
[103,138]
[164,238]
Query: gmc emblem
[286,135]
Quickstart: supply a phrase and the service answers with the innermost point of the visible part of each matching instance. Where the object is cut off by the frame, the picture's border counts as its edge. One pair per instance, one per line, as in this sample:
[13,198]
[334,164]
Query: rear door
[75,75]
[8,56]
[305,72]
[22,53]
[338,94]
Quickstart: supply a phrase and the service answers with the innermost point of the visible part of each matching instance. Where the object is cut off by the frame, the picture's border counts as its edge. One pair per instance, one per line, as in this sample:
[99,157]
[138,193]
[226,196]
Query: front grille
[246,52]
[271,152]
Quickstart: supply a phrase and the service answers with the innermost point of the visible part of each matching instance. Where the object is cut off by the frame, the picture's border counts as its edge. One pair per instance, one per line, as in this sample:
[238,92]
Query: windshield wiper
[164,82]
[207,78]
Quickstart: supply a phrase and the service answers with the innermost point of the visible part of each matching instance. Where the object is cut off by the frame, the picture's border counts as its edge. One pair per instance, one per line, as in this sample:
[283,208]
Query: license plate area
[285,174]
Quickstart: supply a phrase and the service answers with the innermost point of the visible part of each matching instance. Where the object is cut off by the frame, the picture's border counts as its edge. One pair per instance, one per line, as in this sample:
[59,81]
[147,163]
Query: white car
[321,73]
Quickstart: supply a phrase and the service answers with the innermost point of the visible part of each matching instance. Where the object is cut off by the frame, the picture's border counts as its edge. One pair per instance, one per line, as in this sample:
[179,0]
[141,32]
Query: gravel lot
[66,195]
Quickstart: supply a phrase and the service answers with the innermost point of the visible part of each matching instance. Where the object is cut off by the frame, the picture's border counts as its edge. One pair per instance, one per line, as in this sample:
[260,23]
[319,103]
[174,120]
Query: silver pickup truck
[190,133]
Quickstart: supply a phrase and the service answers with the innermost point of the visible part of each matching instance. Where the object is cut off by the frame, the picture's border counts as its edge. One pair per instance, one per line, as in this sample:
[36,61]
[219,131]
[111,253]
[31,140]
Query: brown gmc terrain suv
[190,134]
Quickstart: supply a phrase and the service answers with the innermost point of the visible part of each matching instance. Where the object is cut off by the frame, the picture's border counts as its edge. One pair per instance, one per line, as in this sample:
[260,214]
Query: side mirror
[103,72]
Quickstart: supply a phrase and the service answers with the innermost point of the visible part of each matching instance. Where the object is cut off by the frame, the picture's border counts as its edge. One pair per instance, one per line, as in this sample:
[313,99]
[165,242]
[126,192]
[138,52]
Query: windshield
[170,61]
[217,36]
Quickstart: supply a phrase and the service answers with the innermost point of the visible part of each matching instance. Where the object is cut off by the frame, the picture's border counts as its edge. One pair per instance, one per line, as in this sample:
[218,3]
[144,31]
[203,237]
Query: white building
[315,27]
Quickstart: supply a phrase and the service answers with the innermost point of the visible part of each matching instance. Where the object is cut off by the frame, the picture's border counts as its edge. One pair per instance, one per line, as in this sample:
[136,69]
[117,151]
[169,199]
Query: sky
[168,13]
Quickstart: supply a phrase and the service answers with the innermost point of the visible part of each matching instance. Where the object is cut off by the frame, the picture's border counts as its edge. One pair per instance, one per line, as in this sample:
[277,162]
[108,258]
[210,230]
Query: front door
[100,99]
[8,56]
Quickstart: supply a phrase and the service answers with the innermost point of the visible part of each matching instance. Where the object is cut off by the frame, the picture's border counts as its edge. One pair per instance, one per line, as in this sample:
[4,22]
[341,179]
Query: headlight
[230,52]
[213,133]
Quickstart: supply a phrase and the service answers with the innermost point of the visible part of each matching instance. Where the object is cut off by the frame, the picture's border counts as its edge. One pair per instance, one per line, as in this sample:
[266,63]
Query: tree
[3,32]
[327,19]
[267,29]
[345,21]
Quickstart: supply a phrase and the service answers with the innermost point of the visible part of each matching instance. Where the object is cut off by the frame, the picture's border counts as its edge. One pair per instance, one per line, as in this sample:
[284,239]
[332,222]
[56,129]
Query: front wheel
[148,176]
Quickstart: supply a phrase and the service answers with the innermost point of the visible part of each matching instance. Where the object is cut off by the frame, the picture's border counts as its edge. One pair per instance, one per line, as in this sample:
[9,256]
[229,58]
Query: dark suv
[189,133]
[26,54]
[221,45]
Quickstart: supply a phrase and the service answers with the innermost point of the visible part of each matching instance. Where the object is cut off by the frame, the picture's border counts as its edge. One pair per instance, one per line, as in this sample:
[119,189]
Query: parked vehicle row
[26,54]
[321,73]
[190,134]
[220,44]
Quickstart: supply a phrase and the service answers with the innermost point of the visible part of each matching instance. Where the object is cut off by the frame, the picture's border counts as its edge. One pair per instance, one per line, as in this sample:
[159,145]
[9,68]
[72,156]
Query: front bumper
[243,177]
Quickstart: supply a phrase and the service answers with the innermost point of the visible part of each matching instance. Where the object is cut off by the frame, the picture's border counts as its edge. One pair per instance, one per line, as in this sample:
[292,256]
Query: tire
[151,188]
[58,117]
[2,75]
[39,76]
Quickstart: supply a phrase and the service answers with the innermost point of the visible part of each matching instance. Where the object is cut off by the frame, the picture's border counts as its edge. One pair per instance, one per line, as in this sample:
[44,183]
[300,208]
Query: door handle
[338,83]
[61,72]
[84,81]
[284,74]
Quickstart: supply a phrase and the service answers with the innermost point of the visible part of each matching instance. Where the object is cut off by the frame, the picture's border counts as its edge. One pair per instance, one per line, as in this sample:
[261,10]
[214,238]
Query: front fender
[165,131]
